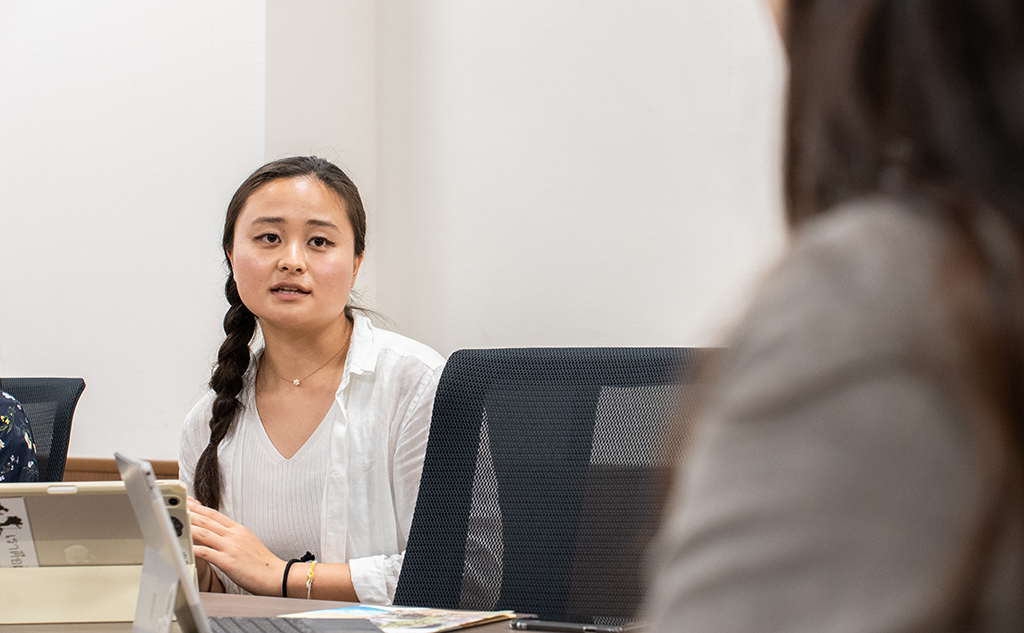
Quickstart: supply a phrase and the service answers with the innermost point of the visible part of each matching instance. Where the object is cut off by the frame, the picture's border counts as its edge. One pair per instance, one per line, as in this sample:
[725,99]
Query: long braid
[232,363]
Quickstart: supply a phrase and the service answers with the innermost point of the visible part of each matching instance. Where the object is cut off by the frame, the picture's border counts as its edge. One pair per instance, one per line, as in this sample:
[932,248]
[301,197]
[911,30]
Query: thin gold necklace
[298,381]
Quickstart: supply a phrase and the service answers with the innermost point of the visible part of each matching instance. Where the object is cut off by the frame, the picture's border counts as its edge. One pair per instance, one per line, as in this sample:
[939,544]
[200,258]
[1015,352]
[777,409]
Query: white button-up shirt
[379,425]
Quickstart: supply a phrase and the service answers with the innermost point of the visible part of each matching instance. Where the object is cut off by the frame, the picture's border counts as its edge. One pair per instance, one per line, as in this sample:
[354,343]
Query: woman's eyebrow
[271,219]
[323,223]
[267,219]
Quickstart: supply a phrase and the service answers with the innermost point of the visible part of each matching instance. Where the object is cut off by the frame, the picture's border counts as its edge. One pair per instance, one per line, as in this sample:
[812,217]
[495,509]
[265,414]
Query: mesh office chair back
[544,478]
[49,405]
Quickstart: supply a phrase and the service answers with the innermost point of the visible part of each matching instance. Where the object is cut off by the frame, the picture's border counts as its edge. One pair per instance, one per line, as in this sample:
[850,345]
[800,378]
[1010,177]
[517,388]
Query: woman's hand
[233,549]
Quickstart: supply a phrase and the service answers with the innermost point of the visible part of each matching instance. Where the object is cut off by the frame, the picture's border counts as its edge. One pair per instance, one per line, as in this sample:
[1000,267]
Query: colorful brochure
[409,619]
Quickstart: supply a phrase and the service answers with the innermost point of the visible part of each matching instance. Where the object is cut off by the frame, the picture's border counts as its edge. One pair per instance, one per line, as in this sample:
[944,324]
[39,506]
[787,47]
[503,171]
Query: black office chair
[544,478]
[49,404]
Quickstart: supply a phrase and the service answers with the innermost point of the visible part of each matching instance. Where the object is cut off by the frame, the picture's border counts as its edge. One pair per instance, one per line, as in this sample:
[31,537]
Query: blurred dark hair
[240,323]
[924,99]
[919,95]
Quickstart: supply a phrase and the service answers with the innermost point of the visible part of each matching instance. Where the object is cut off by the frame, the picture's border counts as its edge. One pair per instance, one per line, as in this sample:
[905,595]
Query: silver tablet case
[88,547]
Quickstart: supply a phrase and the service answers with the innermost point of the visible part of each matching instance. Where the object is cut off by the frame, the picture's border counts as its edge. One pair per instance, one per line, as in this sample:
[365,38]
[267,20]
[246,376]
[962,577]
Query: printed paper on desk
[410,619]
[17,549]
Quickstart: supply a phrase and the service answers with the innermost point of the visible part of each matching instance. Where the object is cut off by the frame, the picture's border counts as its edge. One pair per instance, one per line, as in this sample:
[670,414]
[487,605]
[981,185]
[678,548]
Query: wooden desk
[219,605]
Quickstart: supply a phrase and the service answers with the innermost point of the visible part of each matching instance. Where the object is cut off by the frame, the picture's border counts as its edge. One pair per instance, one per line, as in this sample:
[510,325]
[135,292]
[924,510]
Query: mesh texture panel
[49,405]
[544,478]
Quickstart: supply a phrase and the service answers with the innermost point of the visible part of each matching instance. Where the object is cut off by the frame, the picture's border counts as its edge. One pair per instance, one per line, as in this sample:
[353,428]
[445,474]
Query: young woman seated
[312,436]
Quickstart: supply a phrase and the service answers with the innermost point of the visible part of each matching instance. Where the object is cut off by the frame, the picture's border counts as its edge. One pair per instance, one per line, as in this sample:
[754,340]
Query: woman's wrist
[297,579]
[293,585]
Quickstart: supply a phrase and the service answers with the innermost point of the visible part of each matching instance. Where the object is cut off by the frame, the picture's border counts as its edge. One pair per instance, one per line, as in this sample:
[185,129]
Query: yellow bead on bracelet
[309,580]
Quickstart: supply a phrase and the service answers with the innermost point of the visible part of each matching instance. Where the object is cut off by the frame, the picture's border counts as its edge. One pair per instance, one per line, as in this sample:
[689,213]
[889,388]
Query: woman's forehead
[295,198]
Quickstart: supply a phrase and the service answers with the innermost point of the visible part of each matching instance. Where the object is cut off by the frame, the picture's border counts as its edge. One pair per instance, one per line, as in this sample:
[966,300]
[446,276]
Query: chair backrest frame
[561,486]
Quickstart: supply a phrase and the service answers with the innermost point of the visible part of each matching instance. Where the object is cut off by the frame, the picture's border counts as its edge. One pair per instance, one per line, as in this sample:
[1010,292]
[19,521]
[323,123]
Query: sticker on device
[16,546]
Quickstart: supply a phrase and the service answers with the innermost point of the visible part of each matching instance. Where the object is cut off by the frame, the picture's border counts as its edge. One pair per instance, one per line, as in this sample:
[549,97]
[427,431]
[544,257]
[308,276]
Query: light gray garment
[836,472]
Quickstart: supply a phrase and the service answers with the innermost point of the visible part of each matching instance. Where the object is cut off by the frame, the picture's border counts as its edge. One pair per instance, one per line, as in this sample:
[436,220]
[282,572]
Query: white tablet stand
[167,588]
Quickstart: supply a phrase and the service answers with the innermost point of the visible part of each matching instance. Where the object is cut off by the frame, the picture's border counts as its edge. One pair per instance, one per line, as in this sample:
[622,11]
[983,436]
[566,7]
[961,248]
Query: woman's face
[778,8]
[293,257]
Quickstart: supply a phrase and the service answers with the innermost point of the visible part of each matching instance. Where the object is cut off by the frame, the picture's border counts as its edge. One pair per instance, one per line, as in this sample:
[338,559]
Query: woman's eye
[269,238]
[320,242]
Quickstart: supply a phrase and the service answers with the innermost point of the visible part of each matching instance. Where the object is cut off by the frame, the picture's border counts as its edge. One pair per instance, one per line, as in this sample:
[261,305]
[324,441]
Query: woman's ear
[355,268]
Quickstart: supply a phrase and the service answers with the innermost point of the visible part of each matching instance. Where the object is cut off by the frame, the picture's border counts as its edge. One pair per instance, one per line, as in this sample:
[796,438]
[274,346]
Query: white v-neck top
[281,497]
[359,501]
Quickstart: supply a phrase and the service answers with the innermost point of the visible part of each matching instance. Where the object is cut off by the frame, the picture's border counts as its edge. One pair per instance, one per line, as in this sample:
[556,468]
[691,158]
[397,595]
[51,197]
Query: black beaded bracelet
[287,567]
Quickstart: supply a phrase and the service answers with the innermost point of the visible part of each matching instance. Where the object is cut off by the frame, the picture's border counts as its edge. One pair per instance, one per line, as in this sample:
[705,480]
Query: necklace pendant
[296,381]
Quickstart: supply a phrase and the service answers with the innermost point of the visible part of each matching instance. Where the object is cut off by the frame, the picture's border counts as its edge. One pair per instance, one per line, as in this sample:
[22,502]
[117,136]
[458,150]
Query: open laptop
[168,588]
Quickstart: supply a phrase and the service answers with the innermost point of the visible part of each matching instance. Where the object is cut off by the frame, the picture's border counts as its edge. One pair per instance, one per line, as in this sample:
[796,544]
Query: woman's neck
[299,356]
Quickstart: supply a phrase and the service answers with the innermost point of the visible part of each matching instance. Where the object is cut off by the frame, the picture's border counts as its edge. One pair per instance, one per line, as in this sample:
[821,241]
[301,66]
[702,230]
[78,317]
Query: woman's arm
[410,448]
[376,577]
[194,435]
[236,551]
[193,438]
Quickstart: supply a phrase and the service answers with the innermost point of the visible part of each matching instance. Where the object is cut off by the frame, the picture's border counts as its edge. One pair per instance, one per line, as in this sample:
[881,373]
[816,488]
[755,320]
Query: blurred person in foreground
[859,462]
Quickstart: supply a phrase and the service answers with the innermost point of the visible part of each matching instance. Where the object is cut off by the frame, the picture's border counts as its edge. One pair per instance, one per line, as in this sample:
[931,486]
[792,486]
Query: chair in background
[49,404]
[544,478]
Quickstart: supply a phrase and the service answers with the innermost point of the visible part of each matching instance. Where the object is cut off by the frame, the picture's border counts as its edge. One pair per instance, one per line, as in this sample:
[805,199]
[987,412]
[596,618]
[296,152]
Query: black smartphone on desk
[532,624]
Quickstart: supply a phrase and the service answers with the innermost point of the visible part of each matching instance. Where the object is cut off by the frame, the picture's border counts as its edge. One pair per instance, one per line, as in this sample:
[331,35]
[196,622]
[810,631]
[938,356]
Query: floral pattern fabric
[17,450]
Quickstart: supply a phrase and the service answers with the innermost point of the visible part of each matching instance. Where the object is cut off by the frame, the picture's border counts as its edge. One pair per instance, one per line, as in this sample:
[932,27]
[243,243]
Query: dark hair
[905,94]
[240,323]
[923,98]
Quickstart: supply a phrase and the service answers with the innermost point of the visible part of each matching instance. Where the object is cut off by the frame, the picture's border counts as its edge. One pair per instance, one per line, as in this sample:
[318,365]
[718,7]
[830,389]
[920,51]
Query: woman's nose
[293,260]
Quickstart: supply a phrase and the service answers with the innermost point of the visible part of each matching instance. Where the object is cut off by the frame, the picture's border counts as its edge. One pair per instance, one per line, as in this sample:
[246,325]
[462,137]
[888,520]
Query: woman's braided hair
[240,324]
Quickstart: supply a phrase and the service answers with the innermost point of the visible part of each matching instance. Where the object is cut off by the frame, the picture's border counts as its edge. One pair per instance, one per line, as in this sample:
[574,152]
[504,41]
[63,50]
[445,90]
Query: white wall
[581,172]
[321,96]
[585,172]
[124,128]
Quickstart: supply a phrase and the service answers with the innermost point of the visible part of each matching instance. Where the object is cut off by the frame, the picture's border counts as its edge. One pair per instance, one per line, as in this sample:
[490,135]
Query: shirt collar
[361,357]
[362,353]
